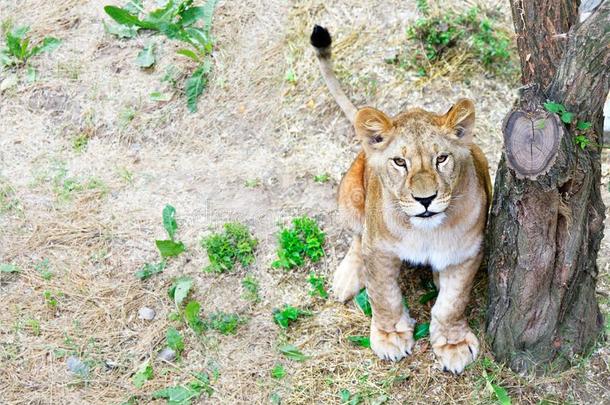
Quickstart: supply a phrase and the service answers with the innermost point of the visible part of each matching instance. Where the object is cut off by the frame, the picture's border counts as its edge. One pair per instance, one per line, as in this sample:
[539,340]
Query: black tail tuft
[320,38]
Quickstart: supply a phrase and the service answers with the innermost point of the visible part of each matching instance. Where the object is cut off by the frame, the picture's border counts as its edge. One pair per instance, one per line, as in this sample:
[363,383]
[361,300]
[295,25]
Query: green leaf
[189,54]
[287,315]
[192,15]
[196,84]
[48,44]
[362,300]
[174,340]
[427,297]
[583,125]
[317,285]
[293,353]
[362,341]
[158,96]
[124,17]
[554,107]
[501,394]
[150,269]
[146,58]
[180,289]
[134,6]
[278,371]
[208,9]
[169,248]
[121,31]
[32,74]
[191,315]
[9,268]
[144,373]
[421,330]
[567,117]
[169,221]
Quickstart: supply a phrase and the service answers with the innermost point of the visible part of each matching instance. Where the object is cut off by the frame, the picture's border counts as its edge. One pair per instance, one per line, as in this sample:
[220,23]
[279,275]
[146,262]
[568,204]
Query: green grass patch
[234,245]
[303,240]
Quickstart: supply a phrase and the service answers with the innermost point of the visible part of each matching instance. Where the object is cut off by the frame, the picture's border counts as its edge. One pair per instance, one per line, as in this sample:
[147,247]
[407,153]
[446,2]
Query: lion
[419,191]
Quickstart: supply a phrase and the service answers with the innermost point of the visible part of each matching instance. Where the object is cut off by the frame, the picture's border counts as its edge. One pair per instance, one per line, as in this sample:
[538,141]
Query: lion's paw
[456,355]
[347,280]
[396,344]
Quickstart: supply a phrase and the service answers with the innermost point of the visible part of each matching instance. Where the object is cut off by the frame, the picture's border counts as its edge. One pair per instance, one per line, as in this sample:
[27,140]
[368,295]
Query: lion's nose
[425,201]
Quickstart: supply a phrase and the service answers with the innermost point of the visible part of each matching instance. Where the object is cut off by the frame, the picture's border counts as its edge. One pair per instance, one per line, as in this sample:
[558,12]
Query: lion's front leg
[452,340]
[391,326]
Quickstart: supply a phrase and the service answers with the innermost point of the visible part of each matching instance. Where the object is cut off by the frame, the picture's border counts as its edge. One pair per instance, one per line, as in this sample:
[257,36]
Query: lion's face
[419,157]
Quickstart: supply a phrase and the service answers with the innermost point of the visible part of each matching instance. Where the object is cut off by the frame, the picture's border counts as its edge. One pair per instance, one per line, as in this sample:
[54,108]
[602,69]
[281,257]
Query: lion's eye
[400,162]
[441,158]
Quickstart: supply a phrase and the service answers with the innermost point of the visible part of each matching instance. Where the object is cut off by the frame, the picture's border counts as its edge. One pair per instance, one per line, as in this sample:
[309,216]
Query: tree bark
[545,229]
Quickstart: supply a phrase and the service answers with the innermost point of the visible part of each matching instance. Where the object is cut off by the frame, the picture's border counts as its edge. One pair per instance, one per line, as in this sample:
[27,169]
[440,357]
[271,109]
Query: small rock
[148,314]
[77,367]
[167,354]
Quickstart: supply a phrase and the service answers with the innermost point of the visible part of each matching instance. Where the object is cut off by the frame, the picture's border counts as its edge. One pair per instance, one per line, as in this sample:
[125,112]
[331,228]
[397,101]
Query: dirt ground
[90,215]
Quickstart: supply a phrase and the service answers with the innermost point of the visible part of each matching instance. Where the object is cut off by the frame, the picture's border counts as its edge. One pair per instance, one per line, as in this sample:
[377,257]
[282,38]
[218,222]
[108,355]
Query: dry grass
[251,124]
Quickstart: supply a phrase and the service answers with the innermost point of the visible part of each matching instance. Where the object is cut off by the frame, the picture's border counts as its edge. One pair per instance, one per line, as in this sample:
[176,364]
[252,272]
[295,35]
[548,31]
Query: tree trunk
[546,220]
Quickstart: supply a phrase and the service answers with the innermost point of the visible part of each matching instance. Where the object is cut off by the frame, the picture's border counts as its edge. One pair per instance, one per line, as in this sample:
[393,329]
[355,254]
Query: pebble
[148,314]
[167,354]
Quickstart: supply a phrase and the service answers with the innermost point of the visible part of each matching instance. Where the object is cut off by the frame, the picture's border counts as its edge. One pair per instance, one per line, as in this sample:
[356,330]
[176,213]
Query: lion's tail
[321,41]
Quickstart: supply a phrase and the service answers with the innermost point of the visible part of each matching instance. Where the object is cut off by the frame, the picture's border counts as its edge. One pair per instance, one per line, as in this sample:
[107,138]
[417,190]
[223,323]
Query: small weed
[321,178]
[362,341]
[567,117]
[317,286]
[251,287]
[169,247]
[278,372]
[125,174]
[304,239]
[290,76]
[50,299]
[18,48]
[185,394]
[44,268]
[224,323]
[34,326]
[146,58]
[224,250]
[79,143]
[126,115]
[192,318]
[293,353]
[144,373]
[252,183]
[179,290]
[9,268]
[287,315]
[150,270]
[174,340]
[8,198]
[362,300]
[348,398]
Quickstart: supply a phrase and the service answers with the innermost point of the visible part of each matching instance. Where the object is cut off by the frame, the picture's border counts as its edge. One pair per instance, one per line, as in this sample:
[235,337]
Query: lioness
[418,191]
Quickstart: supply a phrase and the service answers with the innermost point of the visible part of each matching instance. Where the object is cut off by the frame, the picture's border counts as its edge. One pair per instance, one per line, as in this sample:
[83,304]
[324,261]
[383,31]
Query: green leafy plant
[362,300]
[225,249]
[224,323]
[179,289]
[251,287]
[169,247]
[348,398]
[362,341]
[421,330]
[499,392]
[567,117]
[44,268]
[174,340]
[185,394]
[438,33]
[427,297]
[317,286]
[293,353]
[18,48]
[50,299]
[287,315]
[8,268]
[144,373]
[321,178]
[192,318]
[278,372]
[146,58]
[150,270]
[177,20]
[304,239]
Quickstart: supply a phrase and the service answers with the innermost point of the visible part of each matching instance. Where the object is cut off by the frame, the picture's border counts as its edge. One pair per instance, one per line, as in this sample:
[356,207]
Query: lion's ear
[460,118]
[373,128]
